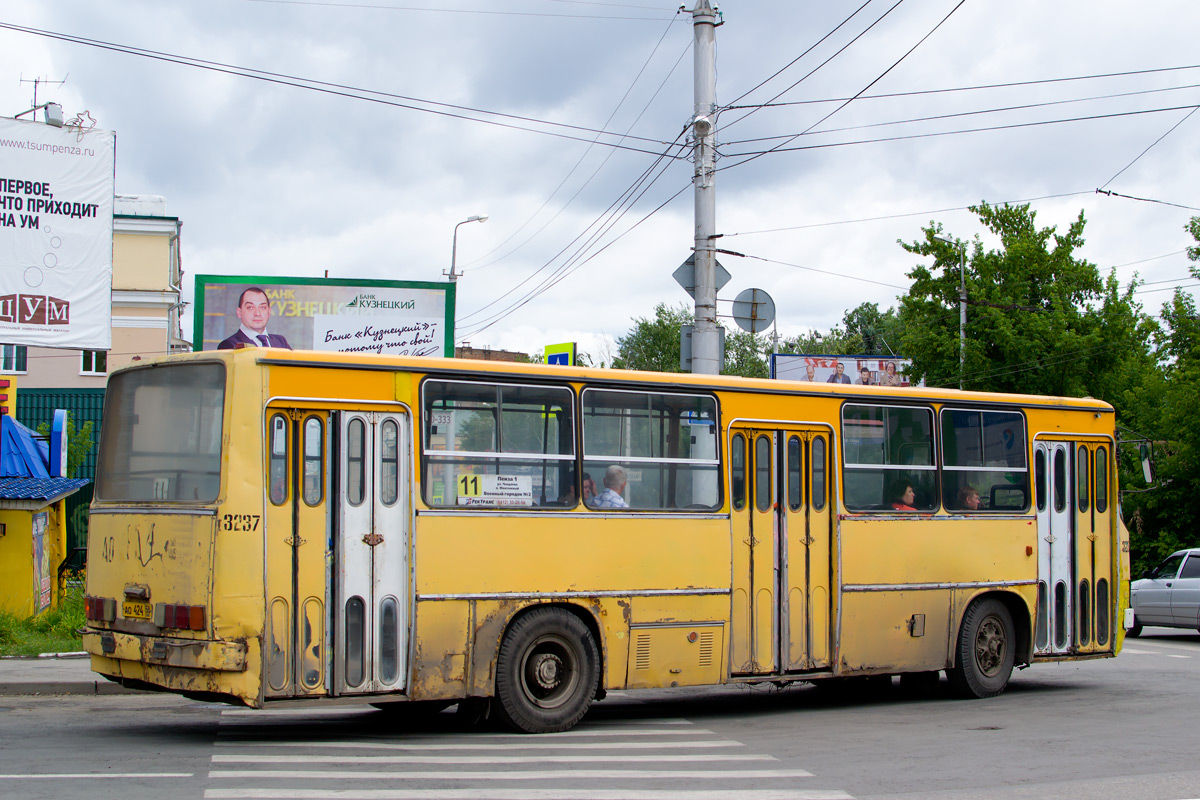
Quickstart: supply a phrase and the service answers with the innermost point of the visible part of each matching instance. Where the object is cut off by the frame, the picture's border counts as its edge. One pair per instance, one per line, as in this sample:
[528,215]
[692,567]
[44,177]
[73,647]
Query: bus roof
[501,369]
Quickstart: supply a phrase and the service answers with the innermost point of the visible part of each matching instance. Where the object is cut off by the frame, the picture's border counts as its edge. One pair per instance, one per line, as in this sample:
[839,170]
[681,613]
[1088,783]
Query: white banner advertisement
[56,209]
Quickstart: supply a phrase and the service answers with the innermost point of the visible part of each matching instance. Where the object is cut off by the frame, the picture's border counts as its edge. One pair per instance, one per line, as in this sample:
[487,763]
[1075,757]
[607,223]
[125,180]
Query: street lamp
[962,304]
[454,245]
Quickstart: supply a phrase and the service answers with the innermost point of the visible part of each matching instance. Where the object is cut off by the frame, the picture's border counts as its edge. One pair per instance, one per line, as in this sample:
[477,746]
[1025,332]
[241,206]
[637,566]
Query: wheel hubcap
[547,670]
[990,646]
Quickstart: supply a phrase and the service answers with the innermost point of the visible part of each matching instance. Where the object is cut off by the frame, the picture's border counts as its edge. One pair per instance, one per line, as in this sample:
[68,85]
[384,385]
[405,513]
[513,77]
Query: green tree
[79,443]
[1040,320]
[745,354]
[870,331]
[653,344]
[864,330]
[1167,517]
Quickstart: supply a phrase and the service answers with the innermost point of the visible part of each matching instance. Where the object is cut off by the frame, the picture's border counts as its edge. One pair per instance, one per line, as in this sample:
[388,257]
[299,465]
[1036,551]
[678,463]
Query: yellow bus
[273,526]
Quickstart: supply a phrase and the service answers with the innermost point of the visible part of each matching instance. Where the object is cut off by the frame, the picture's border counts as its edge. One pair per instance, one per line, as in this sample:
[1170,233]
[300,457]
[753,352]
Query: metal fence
[37,406]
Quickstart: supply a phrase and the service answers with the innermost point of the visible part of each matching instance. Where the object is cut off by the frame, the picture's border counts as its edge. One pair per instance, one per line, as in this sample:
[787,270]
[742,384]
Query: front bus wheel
[546,672]
[984,657]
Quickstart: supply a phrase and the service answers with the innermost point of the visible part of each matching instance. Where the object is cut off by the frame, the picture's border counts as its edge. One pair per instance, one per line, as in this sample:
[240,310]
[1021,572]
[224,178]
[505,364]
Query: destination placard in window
[495,490]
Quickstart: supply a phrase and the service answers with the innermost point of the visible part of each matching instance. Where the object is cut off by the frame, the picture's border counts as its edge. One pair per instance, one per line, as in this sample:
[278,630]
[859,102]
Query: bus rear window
[161,438]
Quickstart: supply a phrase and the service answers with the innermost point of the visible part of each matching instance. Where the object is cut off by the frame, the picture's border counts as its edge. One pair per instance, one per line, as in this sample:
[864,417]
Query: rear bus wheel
[984,658]
[546,672]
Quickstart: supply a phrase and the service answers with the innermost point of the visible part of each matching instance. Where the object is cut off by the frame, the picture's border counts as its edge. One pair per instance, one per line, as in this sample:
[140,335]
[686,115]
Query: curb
[63,688]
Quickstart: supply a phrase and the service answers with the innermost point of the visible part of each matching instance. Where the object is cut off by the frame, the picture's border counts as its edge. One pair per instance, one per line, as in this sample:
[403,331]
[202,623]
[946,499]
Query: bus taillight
[181,617]
[100,609]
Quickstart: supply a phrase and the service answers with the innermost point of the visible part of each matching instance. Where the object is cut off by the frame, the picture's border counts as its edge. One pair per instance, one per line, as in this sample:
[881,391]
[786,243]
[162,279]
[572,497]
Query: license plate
[136,609]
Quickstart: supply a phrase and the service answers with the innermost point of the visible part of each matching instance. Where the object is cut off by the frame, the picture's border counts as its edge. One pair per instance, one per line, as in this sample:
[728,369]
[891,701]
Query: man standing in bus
[253,312]
[614,487]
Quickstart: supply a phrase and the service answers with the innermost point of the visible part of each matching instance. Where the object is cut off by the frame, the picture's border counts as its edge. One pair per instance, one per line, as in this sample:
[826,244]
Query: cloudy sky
[298,137]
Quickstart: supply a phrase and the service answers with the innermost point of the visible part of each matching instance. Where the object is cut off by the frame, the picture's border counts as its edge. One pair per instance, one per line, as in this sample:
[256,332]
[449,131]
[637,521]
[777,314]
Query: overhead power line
[979,87]
[486,11]
[929,135]
[356,93]
[579,162]
[877,79]
[957,114]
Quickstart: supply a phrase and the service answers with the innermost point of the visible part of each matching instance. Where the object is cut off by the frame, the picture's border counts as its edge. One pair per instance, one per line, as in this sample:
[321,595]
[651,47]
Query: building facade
[147,285]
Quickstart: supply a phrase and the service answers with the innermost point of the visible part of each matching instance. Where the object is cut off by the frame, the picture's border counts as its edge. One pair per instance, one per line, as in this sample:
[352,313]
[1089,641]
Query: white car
[1168,595]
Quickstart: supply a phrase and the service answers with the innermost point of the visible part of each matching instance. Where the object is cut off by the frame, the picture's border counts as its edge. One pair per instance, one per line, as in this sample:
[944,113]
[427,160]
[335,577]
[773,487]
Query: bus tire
[984,656]
[546,672]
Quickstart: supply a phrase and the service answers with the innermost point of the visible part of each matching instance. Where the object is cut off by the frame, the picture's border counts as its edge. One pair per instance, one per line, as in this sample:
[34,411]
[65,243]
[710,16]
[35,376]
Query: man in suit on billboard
[253,312]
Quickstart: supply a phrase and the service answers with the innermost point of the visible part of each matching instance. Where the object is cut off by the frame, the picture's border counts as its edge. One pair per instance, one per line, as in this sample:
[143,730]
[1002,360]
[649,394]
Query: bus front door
[781,519]
[370,567]
[296,530]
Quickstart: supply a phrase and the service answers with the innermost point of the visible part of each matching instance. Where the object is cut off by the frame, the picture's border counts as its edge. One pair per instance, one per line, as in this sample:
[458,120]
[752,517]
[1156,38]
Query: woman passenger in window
[903,496]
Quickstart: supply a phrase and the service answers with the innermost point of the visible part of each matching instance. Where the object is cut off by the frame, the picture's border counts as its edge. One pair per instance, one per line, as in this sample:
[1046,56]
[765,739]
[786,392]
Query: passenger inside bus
[615,479]
[569,497]
[903,496]
[968,498]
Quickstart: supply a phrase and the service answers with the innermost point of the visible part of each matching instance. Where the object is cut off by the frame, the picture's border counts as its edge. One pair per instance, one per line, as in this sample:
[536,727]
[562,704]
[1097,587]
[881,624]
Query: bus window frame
[934,467]
[944,469]
[450,457]
[715,463]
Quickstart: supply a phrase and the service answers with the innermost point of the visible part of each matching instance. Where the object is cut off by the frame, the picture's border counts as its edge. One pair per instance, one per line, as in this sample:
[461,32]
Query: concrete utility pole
[962,304]
[706,347]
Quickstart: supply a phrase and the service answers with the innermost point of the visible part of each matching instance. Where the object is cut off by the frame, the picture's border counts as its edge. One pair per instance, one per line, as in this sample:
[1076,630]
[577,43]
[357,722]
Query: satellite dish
[753,310]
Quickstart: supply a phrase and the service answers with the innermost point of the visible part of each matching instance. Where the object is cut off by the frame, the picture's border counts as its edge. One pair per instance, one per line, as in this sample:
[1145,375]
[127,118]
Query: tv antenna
[37,81]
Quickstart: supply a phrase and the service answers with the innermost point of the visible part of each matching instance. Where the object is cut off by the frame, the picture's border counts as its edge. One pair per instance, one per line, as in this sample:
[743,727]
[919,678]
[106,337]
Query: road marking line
[517,794]
[620,758]
[526,744]
[90,775]
[515,775]
[393,741]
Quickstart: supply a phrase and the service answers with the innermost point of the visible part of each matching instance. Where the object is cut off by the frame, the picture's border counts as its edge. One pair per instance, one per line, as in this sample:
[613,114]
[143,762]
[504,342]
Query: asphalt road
[1123,728]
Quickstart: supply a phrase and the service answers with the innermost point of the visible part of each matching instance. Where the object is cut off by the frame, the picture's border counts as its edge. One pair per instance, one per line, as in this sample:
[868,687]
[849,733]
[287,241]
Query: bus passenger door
[296,528]
[754,635]
[1054,478]
[781,550]
[807,553]
[1093,548]
[371,552]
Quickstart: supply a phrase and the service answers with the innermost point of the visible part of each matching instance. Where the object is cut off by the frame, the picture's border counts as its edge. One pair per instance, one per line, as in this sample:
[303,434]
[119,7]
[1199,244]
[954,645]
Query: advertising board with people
[853,370]
[332,314]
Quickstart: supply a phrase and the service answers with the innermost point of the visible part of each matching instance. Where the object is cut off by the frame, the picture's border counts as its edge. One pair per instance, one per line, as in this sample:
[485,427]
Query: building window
[95,362]
[12,358]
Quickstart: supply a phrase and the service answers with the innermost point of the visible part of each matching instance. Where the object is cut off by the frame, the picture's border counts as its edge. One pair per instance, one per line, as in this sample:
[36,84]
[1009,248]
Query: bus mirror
[1145,452]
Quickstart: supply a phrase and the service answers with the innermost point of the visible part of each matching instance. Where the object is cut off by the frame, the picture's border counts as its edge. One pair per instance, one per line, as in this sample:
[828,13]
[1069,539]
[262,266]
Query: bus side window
[277,459]
[1083,478]
[984,464]
[1101,481]
[737,468]
[314,461]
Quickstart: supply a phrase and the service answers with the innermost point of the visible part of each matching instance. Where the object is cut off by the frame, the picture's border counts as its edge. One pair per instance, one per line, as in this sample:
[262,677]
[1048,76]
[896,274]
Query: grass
[52,631]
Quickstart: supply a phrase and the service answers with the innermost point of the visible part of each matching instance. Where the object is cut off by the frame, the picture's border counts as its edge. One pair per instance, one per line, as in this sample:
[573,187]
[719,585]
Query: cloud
[276,180]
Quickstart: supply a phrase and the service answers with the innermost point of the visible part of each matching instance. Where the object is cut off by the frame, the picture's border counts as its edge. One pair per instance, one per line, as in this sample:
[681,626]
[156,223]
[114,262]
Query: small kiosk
[33,525]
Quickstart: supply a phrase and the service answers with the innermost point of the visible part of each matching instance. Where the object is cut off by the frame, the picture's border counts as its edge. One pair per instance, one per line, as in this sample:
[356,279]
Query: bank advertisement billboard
[56,210]
[856,370]
[342,315]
